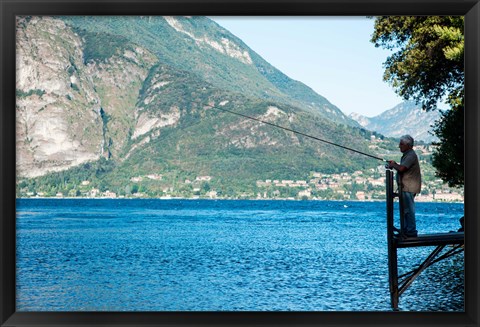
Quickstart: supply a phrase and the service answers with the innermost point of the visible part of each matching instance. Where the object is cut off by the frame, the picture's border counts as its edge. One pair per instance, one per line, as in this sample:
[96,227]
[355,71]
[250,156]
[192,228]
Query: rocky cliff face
[64,103]
[58,111]
[118,81]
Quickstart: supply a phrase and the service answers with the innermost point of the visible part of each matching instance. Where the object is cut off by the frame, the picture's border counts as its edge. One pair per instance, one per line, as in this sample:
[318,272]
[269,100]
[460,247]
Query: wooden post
[400,205]
[392,249]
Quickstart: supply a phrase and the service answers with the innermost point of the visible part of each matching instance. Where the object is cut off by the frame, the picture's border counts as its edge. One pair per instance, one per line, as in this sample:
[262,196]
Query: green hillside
[179,50]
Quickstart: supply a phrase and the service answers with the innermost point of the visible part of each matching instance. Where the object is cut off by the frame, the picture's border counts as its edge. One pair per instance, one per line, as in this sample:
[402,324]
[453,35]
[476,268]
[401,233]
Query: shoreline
[218,199]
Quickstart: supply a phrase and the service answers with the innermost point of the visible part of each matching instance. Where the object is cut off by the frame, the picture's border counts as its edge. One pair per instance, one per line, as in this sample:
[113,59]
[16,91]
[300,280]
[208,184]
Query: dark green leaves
[427,66]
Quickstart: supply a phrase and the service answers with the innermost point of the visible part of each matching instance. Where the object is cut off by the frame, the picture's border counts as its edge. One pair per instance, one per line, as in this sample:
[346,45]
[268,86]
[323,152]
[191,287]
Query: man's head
[406,143]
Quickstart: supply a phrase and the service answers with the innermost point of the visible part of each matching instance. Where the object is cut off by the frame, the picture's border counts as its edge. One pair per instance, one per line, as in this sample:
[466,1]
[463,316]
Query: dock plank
[431,240]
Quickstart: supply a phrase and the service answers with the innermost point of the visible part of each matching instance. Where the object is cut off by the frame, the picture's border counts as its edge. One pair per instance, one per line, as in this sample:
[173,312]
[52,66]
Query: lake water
[221,255]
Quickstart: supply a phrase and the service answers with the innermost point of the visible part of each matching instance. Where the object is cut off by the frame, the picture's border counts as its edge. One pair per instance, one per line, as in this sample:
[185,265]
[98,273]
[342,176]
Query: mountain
[105,100]
[201,46]
[405,118]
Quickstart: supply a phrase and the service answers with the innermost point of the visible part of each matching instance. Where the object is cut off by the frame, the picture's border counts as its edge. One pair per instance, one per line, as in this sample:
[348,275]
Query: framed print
[160,166]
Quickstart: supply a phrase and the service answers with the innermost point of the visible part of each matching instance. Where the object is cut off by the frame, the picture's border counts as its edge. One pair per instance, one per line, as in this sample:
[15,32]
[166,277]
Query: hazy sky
[332,55]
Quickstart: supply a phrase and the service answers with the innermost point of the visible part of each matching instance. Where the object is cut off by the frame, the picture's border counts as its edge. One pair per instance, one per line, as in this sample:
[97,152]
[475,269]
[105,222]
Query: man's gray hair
[407,139]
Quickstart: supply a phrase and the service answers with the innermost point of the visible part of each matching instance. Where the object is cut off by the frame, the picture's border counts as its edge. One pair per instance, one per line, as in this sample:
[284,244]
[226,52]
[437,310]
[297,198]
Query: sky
[331,55]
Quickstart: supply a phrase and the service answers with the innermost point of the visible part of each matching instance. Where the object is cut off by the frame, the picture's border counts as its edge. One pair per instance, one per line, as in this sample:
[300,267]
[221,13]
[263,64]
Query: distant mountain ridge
[404,118]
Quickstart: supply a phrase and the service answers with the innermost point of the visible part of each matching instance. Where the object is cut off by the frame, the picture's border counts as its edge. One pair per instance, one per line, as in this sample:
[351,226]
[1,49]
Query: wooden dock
[398,284]
[430,240]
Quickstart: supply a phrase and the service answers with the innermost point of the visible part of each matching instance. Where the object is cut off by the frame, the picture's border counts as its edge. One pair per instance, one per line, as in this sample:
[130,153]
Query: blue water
[207,255]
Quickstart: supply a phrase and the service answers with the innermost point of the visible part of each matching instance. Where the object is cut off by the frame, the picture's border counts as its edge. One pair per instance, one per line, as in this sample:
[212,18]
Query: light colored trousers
[409,223]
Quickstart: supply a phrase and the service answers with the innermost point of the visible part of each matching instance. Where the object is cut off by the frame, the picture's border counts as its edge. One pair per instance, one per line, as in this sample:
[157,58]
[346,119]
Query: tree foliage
[427,65]
[448,159]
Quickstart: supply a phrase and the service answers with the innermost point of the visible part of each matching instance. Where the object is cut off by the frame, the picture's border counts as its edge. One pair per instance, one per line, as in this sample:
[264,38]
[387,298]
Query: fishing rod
[300,133]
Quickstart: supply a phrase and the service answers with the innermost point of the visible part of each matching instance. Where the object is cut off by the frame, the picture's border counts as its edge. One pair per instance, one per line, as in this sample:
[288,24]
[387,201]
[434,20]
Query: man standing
[409,177]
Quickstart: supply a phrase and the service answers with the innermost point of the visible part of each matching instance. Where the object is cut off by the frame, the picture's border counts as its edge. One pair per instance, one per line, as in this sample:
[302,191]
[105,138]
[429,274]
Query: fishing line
[300,133]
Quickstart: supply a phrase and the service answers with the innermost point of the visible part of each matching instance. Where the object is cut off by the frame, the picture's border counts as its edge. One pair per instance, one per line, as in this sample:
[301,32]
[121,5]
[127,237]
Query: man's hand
[399,168]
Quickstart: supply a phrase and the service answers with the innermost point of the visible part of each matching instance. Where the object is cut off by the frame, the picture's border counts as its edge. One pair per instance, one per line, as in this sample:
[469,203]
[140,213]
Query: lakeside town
[368,185]
[357,186]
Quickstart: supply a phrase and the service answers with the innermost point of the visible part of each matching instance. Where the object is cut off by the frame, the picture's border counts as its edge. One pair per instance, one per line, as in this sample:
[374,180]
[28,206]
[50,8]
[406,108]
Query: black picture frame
[11,8]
